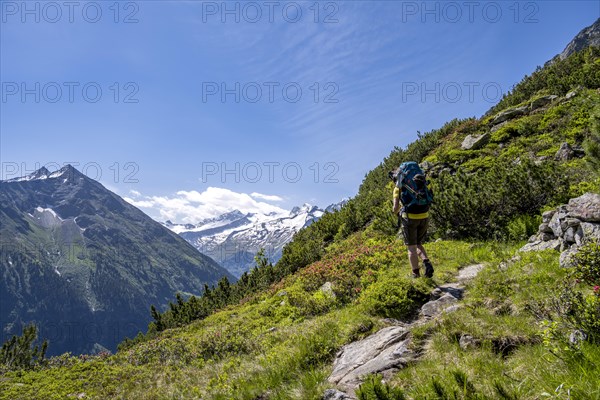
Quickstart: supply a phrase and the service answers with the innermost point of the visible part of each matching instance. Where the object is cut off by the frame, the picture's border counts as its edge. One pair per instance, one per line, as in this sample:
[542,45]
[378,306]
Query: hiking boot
[428,268]
[416,273]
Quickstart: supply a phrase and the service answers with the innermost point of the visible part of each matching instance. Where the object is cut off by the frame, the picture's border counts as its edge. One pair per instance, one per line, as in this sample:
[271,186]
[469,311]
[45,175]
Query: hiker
[412,193]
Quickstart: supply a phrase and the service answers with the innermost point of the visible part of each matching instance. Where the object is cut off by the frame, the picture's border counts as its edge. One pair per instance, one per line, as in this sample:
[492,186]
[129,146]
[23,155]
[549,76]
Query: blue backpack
[413,186]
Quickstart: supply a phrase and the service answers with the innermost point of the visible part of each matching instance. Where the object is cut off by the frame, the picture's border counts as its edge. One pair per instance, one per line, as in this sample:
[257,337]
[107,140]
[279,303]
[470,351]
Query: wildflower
[597,289]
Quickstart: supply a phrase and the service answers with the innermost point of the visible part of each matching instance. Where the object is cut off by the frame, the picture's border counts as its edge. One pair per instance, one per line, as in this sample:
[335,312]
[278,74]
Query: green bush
[586,264]
[374,389]
[523,226]
[393,296]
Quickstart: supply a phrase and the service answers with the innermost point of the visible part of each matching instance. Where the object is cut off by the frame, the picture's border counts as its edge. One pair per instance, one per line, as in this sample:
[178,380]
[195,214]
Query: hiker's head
[393,175]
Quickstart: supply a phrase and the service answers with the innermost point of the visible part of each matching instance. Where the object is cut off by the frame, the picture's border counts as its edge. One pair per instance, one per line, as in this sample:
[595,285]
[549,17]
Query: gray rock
[585,208]
[541,245]
[571,94]
[436,307]
[547,216]
[472,142]
[327,289]
[542,101]
[383,351]
[569,235]
[566,257]
[468,342]
[469,272]
[545,228]
[546,237]
[426,166]
[572,222]
[333,394]
[555,224]
[577,337]
[579,239]
[564,153]
[590,231]
[510,114]
[496,127]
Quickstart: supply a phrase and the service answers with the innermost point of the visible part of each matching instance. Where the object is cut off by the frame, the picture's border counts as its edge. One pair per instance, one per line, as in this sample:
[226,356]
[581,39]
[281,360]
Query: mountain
[589,36]
[233,238]
[84,264]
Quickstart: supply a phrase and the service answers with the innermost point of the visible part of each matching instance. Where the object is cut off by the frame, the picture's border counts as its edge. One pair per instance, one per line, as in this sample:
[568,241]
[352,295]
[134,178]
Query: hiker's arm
[396,206]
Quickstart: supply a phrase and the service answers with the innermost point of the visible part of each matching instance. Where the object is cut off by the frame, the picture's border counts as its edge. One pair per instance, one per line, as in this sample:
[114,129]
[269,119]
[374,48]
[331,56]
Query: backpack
[414,193]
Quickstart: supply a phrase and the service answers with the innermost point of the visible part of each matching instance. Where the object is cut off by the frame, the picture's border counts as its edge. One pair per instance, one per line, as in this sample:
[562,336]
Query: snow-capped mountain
[74,254]
[232,239]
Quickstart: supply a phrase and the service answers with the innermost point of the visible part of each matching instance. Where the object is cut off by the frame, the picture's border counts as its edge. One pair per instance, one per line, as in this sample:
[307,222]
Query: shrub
[523,226]
[586,264]
[395,297]
[374,389]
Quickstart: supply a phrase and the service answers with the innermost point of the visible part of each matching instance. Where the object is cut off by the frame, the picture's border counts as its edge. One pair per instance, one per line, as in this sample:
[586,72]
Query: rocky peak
[589,36]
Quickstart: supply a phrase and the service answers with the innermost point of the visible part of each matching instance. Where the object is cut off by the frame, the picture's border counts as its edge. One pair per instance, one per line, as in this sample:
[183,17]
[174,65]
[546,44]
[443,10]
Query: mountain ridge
[95,259]
[233,238]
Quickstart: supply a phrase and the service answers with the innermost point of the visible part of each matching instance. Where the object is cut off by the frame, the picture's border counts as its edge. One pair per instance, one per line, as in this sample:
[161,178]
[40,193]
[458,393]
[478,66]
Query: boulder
[564,153]
[542,101]
[589,232]
[327,289]
[333,394]
[566,257]
[570,95]
[381,352]
[426,166]
[436,307]
[541,245]
[510,114]
[556,223]
[472,142]
[545,228]
[569,235]
[585,208]
[496,127]
[547,216]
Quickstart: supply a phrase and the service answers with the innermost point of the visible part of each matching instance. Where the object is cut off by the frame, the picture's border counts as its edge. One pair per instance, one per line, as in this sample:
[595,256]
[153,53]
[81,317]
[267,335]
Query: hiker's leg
[422,253]
[421,235]
[413,257]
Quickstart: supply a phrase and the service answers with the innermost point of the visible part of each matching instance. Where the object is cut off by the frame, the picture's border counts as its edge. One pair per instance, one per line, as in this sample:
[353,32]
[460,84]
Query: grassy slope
[280,342]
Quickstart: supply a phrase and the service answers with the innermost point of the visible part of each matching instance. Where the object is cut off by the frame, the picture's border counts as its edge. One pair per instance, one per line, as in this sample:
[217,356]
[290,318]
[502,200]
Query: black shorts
[414,230]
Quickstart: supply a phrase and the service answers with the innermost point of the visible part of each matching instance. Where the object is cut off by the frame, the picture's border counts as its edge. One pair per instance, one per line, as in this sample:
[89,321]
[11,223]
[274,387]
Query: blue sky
[192,108]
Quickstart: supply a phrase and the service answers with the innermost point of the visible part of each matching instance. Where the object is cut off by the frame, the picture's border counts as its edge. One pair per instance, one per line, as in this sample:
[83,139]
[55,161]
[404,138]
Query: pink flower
[596,289]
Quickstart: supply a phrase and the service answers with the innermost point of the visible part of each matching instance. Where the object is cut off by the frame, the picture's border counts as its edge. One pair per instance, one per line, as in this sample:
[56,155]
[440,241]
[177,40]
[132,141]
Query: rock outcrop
[472,142]
[568,227]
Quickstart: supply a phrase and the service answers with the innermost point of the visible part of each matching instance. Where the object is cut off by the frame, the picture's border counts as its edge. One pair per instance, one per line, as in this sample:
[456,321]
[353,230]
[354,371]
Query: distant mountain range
[232,239]
[84,264]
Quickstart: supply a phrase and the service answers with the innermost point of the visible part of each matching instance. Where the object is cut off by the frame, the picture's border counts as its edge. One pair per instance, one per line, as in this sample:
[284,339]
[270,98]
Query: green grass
[280,343]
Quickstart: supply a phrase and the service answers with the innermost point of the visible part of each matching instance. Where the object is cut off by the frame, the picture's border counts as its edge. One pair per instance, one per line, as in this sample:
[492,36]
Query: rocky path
[388,350]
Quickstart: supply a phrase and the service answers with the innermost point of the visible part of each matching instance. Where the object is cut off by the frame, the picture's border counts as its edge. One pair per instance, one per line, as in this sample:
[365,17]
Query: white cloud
[135,193]
[266,197]
[139,204]
[193,206]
